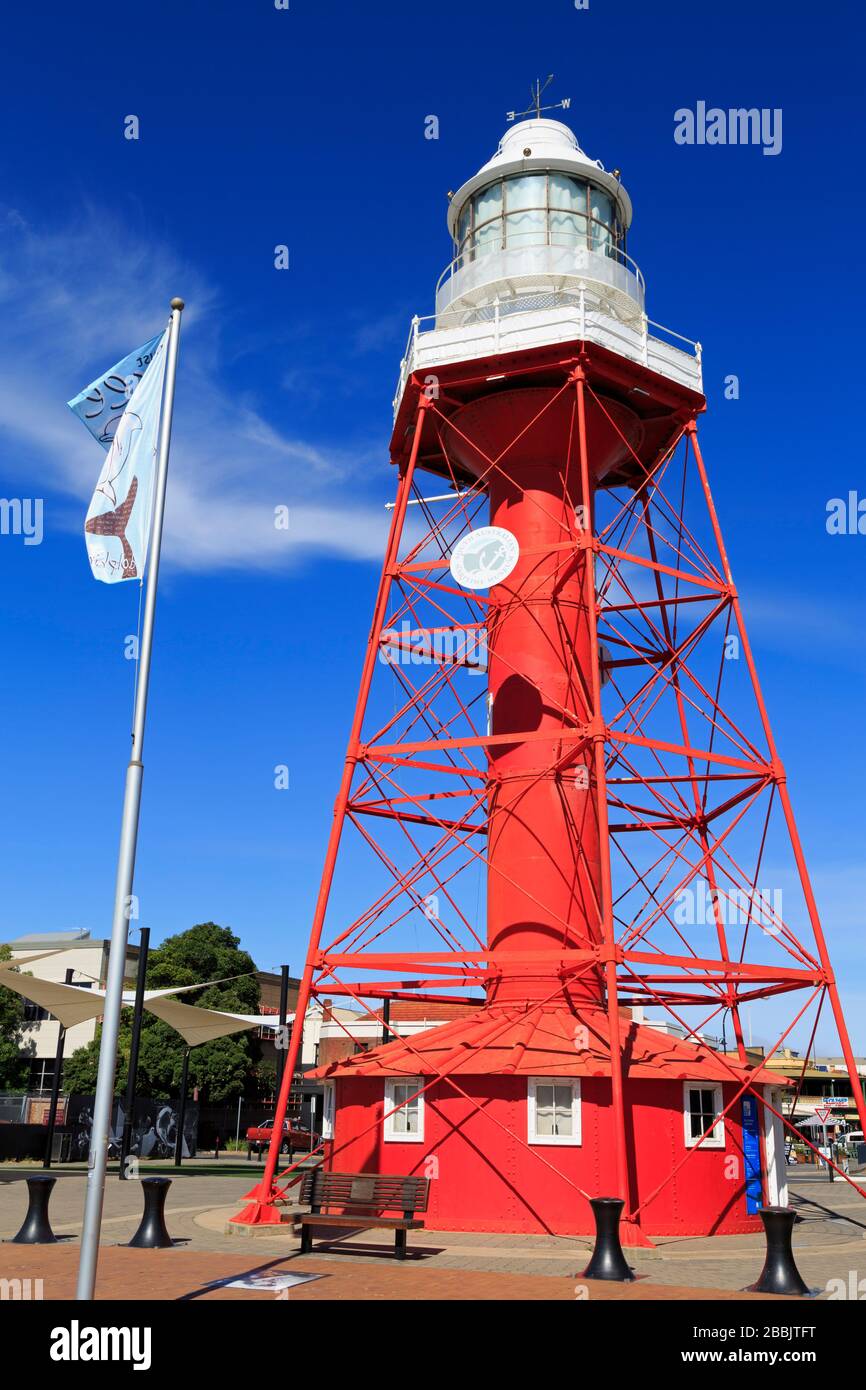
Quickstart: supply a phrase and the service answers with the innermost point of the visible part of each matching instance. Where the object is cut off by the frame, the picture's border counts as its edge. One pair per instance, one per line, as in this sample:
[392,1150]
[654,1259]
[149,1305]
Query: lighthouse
[517,835]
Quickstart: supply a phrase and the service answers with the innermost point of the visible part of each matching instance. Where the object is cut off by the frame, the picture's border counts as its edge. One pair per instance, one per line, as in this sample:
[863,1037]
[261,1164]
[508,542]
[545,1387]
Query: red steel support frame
[262,1210]
[631,773]
[598,747]
[784,796]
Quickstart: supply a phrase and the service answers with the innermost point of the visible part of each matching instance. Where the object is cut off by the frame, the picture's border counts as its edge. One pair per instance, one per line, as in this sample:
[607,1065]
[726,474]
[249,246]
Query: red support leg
[600,781]
[262,1209]
[787,809]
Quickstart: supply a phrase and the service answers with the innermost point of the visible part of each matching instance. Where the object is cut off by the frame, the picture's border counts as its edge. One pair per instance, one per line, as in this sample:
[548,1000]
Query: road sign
[823,1114]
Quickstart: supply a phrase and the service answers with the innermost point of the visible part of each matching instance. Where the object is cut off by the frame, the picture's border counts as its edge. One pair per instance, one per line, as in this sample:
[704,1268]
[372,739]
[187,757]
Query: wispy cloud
[75,299]
[790,622]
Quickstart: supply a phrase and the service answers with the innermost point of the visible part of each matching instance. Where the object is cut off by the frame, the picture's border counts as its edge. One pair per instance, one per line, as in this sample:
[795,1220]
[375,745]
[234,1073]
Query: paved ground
[186,1276]
[830,1243]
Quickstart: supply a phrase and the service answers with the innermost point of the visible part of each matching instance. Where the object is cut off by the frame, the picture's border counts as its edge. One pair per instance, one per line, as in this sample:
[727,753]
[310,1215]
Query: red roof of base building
[556,1040]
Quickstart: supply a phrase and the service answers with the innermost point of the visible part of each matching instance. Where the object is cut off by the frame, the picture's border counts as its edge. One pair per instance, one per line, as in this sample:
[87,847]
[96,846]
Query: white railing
[471,272]
[573,319]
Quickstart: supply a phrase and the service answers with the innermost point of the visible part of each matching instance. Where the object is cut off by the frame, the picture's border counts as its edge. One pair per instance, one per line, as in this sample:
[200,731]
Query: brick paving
[829,1242]
[183,1275]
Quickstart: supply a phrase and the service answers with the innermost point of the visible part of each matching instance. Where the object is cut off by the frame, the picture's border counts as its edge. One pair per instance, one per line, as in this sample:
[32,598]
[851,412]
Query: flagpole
[97,1158]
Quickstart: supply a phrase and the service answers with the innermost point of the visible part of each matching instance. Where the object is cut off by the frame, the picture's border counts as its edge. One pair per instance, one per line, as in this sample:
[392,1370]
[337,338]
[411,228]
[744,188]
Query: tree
[80,1067]
[15,1050]
[220,1069]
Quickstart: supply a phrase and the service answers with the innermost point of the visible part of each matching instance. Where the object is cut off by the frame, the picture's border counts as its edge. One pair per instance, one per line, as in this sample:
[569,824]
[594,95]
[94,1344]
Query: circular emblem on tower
[485,557]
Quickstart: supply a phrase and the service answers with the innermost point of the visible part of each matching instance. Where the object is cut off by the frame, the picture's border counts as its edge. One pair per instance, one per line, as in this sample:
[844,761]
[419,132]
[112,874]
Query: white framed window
[328,1101]
[553,1110]
[702,1107]
[406,1124]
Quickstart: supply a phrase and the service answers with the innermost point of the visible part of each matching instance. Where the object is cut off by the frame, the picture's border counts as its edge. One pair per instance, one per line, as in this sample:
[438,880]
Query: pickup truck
[295,1138]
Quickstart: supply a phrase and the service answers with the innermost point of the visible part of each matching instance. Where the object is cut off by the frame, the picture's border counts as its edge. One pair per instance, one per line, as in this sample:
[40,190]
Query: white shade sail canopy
[25,960]
[197,1025]
[71,1004]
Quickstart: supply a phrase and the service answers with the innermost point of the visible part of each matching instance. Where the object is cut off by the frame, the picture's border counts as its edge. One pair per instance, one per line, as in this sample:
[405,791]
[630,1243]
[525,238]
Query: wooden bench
[363,1199]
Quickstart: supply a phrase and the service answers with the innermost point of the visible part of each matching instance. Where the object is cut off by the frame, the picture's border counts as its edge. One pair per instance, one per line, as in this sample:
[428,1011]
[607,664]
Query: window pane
[405,1120]
[602,237]
[544,1110]
[488,203]
[525,229]
[526,203]
[489,237]
[567,229]
[602,208]
[488,215]
[563,1117]
[566,193]
[702,1111]
[488,218]
[602,212]
[528,191]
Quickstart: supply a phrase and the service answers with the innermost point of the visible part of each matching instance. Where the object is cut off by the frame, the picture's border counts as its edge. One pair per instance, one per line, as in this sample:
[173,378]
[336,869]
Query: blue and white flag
[101,404]
[122,409]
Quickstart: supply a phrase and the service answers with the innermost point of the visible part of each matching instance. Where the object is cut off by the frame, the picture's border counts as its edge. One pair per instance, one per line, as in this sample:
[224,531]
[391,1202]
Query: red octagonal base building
[543,1140]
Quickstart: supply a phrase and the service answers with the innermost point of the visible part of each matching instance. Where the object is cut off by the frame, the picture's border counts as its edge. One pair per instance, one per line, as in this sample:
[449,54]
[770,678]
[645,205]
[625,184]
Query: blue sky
[261,127]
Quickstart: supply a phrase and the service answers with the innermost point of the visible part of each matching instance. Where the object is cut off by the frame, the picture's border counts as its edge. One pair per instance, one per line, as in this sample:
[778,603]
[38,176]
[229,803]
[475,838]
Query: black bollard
[780,1273]
[37,1229]
[608,1261]
[152,1233]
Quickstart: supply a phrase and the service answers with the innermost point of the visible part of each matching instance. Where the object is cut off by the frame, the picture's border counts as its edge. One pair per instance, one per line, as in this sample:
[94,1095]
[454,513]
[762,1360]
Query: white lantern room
[539,257]
[539,220]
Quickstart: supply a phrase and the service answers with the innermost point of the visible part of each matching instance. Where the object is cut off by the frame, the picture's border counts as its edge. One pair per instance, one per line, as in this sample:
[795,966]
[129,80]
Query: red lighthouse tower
[561,782]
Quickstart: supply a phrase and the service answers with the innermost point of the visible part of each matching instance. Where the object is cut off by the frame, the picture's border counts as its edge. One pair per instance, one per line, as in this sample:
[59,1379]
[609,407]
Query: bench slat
[378,1190]
[390,1223]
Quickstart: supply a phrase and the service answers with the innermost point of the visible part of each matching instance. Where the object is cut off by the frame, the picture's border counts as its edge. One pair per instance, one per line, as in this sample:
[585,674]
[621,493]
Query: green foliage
[265,1079]
[80,1068]
[207,952]
[220,1069]
[14,1053]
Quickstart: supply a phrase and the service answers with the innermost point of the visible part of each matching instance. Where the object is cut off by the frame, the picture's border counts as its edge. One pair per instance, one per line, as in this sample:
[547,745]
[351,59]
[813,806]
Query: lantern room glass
[539,209]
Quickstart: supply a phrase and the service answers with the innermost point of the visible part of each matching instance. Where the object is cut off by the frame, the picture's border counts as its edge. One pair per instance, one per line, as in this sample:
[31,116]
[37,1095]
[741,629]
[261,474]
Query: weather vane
[535,107]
